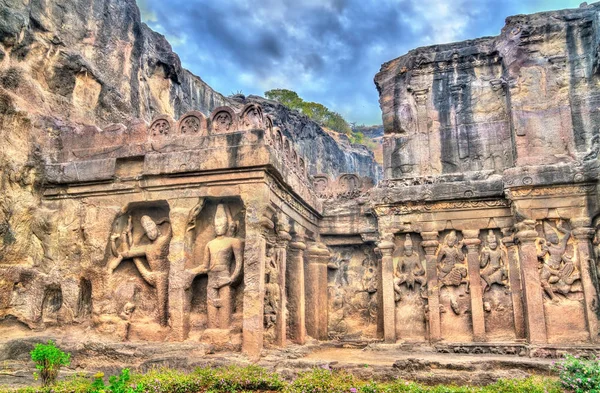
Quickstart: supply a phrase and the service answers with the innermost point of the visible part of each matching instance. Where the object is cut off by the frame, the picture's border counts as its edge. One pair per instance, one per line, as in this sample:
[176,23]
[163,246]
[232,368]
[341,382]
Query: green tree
[286,97]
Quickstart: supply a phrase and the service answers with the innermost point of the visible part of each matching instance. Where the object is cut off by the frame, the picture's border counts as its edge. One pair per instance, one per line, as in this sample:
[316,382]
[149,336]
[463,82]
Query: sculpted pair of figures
[558,273]
[155,253]
[216,264]
[216,261]
[450,261]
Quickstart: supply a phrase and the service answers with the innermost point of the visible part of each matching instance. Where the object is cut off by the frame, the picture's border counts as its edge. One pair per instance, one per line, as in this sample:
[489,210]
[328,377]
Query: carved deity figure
[156,254]
[492,263]
[272,295]
[218,256]
[409,270]
[558,271]
[450,260]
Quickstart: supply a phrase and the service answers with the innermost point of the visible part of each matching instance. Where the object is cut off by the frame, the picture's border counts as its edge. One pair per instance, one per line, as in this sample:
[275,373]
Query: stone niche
[133,303]
[410,288]
[353,293]
[212,314]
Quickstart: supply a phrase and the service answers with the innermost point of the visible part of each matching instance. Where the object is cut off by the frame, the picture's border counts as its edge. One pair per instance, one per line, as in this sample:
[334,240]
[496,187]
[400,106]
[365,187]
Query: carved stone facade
[483,236]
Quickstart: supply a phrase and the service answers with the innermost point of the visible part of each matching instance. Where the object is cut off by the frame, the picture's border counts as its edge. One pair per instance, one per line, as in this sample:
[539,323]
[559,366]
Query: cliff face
[95,62]
[526,97]
[69,63]
[326,154]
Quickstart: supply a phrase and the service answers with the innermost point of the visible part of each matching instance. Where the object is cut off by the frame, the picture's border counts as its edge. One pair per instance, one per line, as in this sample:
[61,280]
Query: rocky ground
[91,354]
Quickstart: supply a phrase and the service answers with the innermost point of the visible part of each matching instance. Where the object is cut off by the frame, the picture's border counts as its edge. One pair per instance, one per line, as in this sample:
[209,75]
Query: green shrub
[323,380]
[579,375]
[48,360]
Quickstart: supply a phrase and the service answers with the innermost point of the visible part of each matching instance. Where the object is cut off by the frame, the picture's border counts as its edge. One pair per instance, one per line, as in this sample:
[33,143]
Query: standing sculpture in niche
[558,271]
[216,263]
[156,254]
[493,264]
[451,268]
[409,270]
[272,295]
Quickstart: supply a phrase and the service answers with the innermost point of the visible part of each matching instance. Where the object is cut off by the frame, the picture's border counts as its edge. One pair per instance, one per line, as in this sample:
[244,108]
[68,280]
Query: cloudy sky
[326,50]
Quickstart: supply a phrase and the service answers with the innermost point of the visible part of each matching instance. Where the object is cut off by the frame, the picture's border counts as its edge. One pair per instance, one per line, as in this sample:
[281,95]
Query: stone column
[386,248]
[430,244]
[380,314]
[179,280]
[316,292]
[472,241]
[532,286]
[254,284]
[283,238]
[295,290]
[583,234]
[514,279]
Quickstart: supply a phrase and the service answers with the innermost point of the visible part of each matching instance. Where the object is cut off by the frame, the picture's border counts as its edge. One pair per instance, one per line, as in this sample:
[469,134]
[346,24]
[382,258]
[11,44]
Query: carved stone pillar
[471,240]
[514,277]
[380,316]
[583,234]
[430,244]
[283,238]
[295,290]
[387,288]
[254,285]
[316,291]
[532,286]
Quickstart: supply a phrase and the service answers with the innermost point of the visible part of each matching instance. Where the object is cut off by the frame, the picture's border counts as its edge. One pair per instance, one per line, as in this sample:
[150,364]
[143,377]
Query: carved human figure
[222,122]
[156,254]
[217,258]
[558,271]
[409,270]
[492,263]
[450,260]
[272,288]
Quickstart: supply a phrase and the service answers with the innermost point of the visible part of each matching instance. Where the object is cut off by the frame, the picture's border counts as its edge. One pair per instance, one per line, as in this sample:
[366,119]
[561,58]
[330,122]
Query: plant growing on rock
[48,360]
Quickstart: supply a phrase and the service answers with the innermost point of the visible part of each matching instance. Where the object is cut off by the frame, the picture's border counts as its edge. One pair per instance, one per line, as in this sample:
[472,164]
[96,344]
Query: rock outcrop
[326,154]
[526,97]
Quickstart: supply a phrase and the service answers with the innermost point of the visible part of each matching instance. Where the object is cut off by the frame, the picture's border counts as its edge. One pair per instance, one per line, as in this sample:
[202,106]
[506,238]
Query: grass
[257,379]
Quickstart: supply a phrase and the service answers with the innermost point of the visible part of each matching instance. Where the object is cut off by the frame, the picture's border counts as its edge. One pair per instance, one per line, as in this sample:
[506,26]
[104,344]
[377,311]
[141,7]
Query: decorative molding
[420,207]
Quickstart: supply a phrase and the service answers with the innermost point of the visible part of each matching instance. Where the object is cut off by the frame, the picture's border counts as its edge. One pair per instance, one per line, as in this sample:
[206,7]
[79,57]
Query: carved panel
[162,125]
[252,117]
[353,286]
[192,123]
[223,120]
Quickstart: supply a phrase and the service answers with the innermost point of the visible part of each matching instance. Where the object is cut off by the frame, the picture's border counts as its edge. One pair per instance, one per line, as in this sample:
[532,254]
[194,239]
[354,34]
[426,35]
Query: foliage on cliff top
[319,113]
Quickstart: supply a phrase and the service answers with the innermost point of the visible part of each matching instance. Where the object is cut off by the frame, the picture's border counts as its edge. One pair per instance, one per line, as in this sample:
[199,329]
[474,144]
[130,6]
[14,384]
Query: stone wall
[491,171]
[526,97]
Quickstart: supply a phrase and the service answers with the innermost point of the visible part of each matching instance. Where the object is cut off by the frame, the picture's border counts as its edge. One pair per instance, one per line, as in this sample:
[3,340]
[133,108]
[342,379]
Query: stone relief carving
[272,288]
[155,254]
[493,263]
[161,126]
[346,186]
[408,270]
[222,262]
[192,123]
[252,117]
[452,270]
[558,272]
[223,119]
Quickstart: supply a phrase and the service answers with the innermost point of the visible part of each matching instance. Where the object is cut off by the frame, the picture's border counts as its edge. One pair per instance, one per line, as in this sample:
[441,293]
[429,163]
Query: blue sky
[326,50]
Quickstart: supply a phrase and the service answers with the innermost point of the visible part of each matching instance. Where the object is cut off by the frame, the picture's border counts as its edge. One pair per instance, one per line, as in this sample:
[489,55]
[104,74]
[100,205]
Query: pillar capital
[430,242]
[471,240]
[526,232]
[582,228]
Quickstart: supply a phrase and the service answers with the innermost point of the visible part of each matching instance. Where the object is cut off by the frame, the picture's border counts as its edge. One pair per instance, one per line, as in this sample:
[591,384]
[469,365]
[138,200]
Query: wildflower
[353,390]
